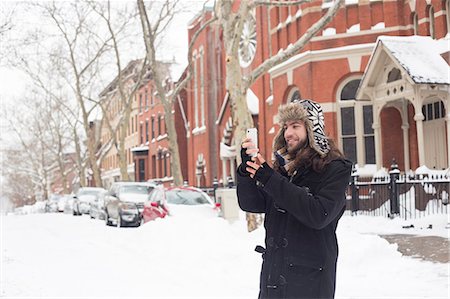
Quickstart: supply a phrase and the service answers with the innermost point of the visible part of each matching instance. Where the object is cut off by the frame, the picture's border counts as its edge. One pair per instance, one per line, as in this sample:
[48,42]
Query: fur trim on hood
[312,115]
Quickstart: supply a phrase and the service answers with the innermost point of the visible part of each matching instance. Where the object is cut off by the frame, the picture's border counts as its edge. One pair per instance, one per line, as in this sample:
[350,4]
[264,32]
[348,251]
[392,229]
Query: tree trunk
[175,162]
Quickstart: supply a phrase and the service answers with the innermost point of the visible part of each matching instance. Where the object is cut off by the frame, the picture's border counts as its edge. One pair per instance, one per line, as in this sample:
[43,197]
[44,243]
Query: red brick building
[346,68]
[152,158]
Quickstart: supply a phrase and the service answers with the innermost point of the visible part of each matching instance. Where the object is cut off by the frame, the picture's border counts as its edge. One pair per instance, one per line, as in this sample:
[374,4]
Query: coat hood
[312,115]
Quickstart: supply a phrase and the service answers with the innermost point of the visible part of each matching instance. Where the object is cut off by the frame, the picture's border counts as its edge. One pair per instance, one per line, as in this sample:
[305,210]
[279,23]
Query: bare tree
[167,96]
[30,156]
[80,65]
[127,81]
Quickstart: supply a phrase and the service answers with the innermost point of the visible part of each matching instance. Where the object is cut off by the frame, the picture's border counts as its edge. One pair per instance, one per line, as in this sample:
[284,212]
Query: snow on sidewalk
[61,256]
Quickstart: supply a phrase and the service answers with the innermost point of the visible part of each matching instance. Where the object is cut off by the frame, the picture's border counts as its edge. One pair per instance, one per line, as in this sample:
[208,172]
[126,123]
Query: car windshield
[139,189]
[88,192]
[185,197]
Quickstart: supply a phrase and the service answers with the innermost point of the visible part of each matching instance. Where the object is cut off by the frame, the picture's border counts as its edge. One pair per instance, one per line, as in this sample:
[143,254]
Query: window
[142,134]
[394,75]
[294,95]
[141,170]
[356,119]
[369,139]
[153,127]
[195,93]
[146,99]
[348,132]
[165,165]
[159,125]
[432,111]
[415,21]
[146,130]
[202,89]
[431,17]
[349,90]
[140,102]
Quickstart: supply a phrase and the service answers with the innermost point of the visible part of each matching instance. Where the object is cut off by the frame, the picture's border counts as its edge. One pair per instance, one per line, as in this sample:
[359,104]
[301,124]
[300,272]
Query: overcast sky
[13,82]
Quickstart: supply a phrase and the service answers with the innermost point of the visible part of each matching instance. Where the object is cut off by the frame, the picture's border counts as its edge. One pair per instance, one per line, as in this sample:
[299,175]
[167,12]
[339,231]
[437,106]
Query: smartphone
[252,133]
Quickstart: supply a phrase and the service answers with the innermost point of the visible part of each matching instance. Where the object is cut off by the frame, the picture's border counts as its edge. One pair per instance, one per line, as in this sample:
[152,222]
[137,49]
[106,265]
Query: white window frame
[432,24]
[359,121]
[195,57]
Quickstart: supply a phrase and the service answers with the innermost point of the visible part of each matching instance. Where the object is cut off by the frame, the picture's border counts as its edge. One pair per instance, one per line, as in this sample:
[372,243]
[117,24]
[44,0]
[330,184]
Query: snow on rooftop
[420,56]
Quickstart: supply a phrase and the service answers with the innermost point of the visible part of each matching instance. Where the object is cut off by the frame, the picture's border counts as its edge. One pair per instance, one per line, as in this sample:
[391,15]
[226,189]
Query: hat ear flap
[279,141]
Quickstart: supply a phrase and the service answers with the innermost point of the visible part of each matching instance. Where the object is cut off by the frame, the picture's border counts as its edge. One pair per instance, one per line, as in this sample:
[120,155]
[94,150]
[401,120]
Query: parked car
[68,205]
[156,206]
[97,206]
[125,201]
[83,198]
[51,205]
[62,202]
[190,202]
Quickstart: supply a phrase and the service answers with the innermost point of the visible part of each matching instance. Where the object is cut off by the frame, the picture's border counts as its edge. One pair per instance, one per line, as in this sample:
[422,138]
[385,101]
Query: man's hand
[246,151]
[254,164]
[259,169]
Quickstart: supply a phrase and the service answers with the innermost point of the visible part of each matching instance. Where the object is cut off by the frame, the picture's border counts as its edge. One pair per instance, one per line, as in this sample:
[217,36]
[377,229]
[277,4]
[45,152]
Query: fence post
[394,174]
[355,191]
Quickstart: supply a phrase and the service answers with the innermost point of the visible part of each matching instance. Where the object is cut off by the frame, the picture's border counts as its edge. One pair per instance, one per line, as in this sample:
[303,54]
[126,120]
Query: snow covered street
[61,256]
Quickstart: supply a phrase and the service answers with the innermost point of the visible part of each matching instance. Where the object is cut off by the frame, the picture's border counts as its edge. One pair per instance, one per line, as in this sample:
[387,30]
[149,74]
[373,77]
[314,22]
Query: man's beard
[298,147]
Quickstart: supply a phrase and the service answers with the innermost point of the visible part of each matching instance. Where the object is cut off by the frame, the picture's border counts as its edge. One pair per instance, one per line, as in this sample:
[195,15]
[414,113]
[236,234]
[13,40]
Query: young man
[303,198]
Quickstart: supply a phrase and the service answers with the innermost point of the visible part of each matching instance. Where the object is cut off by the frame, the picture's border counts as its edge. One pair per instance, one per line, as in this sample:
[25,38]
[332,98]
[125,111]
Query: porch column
[420,142]
[405,128]
[376,108]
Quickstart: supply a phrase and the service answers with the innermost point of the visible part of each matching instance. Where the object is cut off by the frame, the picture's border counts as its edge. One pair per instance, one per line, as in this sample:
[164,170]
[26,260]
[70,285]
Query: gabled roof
[421,57]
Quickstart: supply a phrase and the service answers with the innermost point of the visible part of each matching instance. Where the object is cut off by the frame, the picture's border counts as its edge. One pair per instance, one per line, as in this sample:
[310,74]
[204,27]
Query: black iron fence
[402,195]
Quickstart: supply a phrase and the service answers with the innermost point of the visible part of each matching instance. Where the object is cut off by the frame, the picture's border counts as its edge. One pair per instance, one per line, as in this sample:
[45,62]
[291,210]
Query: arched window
[293,95]
[394,75]
[356,133]
[349,90]
[431,18]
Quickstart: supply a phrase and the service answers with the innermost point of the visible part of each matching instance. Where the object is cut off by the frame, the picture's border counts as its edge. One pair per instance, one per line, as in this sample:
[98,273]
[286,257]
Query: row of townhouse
[380,69]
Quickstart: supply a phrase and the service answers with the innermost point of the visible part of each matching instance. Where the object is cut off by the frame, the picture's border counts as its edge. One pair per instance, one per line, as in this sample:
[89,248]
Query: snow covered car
[155,207]
[52,203]
[125,201]
[190,202]
[62,202]
[83,199]
[97,206]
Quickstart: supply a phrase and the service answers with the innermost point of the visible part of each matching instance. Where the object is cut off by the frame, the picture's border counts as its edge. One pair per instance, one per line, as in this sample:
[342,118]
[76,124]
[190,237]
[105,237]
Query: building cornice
[320,55]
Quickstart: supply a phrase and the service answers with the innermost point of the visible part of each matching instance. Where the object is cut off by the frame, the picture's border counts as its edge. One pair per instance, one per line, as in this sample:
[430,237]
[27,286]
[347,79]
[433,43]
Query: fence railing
[406,196]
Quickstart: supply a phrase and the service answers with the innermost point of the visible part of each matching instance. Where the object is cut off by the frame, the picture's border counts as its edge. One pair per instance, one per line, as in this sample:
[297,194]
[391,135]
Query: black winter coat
[301,216]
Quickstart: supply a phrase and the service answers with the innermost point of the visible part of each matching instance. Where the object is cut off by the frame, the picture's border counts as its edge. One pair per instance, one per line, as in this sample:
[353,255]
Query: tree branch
[298,45]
